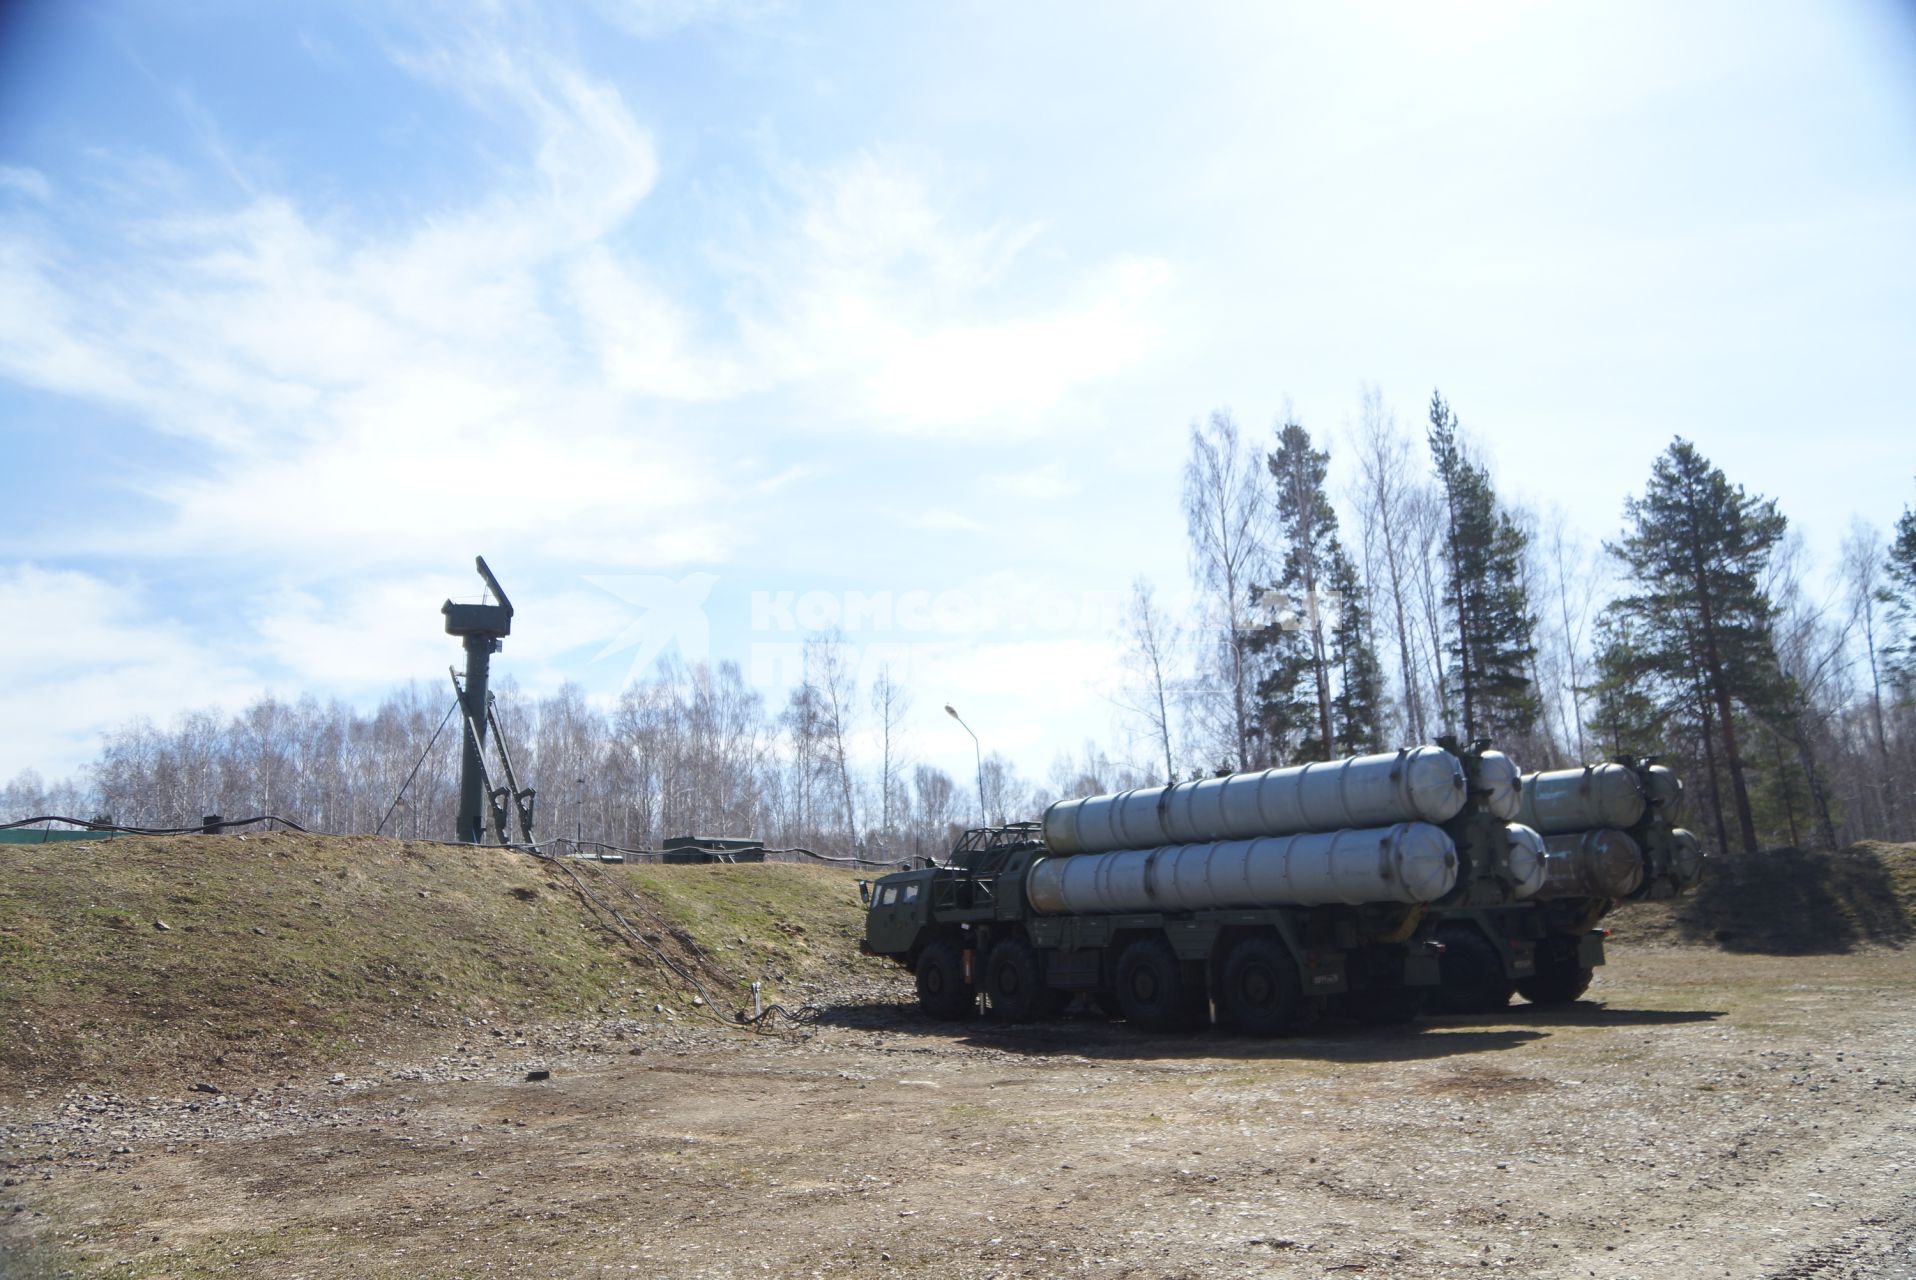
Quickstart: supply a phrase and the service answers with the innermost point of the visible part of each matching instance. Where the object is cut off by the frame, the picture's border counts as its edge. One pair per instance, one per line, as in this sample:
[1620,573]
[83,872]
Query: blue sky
[673,309]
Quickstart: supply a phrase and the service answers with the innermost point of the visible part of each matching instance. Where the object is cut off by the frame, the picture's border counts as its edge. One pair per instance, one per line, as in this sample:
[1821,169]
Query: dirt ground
[1702,1114]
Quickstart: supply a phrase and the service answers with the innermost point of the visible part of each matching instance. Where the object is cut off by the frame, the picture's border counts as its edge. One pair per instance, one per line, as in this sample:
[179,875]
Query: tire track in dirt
[1859,1178]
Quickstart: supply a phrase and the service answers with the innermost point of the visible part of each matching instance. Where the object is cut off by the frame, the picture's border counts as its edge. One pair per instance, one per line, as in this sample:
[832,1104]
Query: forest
[1415,603]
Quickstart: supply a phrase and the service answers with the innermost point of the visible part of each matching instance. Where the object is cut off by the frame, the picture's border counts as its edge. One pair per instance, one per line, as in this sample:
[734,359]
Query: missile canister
[1419,784]
[1592,864]
[1409,862]
[1502,784]
[1665,790]
[1686,858]
[1528,858]
[1567,800]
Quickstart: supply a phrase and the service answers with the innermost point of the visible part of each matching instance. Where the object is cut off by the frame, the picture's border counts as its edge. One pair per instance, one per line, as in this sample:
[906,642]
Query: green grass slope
[288,950]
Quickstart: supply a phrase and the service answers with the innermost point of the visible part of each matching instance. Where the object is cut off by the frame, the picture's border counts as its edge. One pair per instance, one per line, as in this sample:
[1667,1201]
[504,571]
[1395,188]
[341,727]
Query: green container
[42,835]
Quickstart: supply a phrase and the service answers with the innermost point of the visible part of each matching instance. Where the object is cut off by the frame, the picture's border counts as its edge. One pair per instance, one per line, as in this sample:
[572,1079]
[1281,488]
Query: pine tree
[1626,717]
[1900,567]
[1358,705]
[1492,630]
[1308,526]
[1697,549]
[1286,713]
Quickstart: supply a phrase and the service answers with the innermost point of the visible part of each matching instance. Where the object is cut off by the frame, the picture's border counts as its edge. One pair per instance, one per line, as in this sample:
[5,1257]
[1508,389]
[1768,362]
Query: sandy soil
[1701,1115]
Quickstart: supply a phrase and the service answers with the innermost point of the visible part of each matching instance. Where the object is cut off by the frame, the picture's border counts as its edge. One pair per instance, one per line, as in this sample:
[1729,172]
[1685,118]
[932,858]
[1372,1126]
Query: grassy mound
[196,957]
[1789,902]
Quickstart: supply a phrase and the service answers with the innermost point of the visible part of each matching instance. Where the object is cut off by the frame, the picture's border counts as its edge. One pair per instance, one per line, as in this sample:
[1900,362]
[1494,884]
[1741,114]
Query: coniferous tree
[1492,630]
[1696,550]
[1307,525]
[1286,711]
[1899,564]
[1358,705]
[1626,718]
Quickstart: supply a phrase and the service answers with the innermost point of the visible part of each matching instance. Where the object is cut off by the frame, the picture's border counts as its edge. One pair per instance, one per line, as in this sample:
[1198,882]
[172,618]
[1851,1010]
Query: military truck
[1264,899]
[1610,836]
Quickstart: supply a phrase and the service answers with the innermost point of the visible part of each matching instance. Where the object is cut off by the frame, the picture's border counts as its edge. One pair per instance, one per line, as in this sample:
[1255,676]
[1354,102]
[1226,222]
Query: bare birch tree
[1226,510]
[890,703]
[1383,494]
[1150,647]
[1862,568]
[829,671]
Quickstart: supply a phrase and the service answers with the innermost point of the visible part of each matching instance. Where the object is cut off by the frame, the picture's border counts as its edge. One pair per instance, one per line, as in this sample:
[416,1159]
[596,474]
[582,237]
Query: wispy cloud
[406,387]
[27,182]
[311,393]
[876,303]
[98,655]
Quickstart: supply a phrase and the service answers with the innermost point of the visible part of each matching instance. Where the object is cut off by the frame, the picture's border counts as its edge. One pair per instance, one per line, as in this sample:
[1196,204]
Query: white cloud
[28,182]
[885,311]
[508,373]
[383,400]
[650,19]
[1047,483]
[644,340]
[93,657]
[366,637]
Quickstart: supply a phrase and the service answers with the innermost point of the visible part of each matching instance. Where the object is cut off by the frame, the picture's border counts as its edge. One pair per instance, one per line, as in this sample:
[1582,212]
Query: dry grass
[1789,902]
[281,950]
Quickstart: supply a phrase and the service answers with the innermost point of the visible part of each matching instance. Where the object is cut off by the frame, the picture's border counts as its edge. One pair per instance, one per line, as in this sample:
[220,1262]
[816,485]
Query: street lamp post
[578,814]
[978,753]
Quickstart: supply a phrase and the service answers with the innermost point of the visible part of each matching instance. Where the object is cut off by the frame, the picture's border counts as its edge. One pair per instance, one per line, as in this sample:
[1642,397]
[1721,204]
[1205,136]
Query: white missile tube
[1566,800]
[1419,784]
[1527,858]
[1592,864]
[1407,863]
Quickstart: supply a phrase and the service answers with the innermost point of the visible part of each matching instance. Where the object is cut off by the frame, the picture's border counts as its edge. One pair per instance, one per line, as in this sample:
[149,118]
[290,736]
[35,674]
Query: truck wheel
[943,992]
[1150,988]
[1012,983]
[1472,973]
[1558,985]
[1261,992]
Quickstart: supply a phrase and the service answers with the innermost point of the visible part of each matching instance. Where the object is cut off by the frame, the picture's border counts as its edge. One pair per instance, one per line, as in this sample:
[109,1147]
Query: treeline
[1441,608]
[1417,602]
[689,750]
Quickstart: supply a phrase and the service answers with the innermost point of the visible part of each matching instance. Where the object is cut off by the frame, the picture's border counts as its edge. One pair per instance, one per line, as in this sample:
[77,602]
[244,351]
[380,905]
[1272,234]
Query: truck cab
[899,910]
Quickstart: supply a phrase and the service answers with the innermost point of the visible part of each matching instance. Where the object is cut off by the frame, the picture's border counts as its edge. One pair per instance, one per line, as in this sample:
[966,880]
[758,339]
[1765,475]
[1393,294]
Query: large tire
[1472,972]
[1559,984]
[943,992]
[1150,986]
[1013,985]
[1261,990]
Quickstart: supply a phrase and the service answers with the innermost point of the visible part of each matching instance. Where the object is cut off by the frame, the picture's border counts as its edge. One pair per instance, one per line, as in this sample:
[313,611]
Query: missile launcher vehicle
[1610,837]
[1264,899]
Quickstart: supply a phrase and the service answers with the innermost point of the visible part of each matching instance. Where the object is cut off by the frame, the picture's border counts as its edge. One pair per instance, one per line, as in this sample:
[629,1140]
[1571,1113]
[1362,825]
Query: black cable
[415,769]
[626,930]
[804,1016]
[660,853]
[159,831]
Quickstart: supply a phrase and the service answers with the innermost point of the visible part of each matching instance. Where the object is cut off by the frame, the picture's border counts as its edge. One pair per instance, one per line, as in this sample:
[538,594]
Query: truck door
[896,913]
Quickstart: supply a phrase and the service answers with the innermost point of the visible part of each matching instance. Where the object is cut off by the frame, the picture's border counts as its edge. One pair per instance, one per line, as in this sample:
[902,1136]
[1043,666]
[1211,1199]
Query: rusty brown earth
[1704,1113]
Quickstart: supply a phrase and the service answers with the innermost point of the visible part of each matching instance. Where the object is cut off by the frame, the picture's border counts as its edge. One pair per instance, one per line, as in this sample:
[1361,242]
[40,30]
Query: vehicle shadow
[1582,1013]
[1089,1035]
